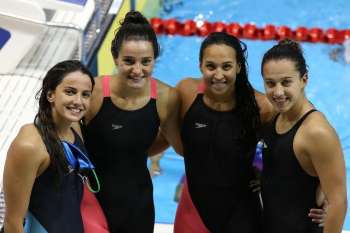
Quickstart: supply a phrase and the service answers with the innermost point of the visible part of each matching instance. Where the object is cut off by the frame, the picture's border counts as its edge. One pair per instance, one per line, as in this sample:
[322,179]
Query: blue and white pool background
[329,81]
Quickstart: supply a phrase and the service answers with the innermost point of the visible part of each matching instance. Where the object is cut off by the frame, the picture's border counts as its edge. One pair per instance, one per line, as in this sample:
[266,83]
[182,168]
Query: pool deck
[168,228]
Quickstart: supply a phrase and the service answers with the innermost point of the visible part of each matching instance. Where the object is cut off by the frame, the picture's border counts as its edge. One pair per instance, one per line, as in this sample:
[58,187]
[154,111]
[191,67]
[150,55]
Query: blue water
[329,81]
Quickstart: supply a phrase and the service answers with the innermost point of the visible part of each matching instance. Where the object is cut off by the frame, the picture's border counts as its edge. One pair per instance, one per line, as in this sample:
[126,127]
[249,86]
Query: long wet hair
[246,105]
[43,120]
[134,27]
[287,49]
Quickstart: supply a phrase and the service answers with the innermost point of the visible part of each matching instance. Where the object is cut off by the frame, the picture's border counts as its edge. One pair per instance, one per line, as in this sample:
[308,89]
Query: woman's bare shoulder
[188,84]
[266,109]
[28,135]
[163,88]
[28,145]
[98,85]
[316,124]
[167,98]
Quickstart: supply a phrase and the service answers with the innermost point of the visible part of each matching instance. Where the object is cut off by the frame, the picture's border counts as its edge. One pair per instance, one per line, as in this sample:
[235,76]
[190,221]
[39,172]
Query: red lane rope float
[250,31]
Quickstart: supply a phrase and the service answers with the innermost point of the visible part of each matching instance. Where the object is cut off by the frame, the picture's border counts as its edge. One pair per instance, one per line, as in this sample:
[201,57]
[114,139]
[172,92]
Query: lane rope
[250,31]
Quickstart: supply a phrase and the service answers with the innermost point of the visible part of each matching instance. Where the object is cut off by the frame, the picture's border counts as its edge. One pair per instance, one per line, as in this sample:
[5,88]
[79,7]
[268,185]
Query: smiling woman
[220,120]
[219,71]
[39,184]
[135,62]
[302,150]
[127,111]
[67,103]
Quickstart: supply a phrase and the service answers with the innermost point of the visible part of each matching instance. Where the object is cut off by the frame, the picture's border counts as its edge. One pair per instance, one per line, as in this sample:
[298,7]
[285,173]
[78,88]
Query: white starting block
[65,5]
[23,22]
[17,37]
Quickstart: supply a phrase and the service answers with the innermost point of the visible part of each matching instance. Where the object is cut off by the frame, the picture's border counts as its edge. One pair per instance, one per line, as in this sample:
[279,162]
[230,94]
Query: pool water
[329,81]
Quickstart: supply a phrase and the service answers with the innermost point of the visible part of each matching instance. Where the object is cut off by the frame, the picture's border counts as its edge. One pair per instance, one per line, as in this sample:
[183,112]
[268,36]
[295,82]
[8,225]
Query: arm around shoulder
[187,87]
[187,90]
[267,111]
[96,100]
[159,145]
[170,128]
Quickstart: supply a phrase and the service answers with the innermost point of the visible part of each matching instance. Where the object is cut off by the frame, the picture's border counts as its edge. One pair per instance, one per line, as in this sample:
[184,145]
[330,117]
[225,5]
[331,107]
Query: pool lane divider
[250,31]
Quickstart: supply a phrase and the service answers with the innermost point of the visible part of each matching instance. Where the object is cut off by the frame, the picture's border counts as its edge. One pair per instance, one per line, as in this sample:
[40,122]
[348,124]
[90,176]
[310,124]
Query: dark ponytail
[287,49]
[134,27]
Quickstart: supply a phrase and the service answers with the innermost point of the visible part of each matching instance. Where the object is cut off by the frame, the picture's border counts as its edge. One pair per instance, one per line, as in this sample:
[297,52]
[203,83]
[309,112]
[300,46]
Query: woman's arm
[170,127]
[177,101]
[159,145]
[23,163]
[324,149]
[267,111]
[95,101]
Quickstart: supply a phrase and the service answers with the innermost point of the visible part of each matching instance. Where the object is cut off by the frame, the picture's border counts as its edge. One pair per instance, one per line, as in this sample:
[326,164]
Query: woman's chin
[137,83]
[219,90]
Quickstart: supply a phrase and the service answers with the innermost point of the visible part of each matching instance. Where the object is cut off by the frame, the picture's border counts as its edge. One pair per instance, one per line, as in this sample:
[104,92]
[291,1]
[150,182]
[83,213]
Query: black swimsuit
[288,191]
[218,170]
[118,141]
[56,207]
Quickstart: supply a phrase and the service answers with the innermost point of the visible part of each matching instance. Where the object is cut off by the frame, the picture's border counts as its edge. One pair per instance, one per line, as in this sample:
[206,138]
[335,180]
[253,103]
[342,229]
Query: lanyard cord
[79,161]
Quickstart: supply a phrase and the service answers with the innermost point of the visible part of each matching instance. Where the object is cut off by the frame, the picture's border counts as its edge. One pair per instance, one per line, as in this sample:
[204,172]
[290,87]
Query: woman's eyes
[224,67]
[86,94]
[227,67]
[70,91]
[286,82]
[128,61]
[210,67]
[144,62]
[269,83]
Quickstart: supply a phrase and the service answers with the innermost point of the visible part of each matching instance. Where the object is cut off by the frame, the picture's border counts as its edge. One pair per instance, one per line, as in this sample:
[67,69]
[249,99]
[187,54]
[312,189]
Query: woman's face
[135,62]
[71,98]
[283,85]
[219,68]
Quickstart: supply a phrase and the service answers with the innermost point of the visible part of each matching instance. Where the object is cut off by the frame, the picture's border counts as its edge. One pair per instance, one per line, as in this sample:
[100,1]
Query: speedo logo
[199,125]
[116,127]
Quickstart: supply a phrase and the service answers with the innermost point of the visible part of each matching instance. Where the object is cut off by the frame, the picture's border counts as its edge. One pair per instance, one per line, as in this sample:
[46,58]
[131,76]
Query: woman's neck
[220,103]
[297,111]
[121,89]
[63,129]
[63,132]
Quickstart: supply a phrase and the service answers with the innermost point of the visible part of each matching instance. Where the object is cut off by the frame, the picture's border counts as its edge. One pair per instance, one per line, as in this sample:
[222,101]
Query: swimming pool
[329,81]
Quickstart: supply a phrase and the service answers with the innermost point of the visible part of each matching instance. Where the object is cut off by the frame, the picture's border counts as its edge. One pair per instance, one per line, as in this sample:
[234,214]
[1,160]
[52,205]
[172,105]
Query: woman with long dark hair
[40,184]
[222,116]
[220,121]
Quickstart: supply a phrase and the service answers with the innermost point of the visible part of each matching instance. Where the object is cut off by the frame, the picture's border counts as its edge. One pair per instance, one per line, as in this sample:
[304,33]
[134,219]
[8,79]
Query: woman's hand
[319,215]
